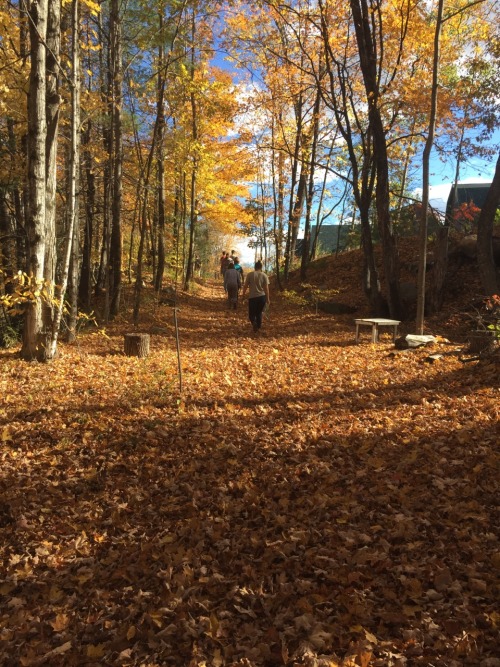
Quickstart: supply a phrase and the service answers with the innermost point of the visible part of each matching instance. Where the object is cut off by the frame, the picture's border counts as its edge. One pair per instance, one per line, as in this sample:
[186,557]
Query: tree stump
[136,345]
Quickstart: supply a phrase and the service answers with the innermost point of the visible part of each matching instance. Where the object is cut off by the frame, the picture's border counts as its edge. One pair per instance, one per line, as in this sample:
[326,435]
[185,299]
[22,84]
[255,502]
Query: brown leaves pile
[306,501]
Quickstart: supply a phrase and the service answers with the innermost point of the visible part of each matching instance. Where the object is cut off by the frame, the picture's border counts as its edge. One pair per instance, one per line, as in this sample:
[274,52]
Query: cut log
[136,345]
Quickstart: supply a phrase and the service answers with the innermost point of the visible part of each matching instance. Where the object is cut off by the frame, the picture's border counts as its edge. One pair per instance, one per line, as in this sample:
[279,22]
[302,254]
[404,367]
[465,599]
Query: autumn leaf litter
[306,501]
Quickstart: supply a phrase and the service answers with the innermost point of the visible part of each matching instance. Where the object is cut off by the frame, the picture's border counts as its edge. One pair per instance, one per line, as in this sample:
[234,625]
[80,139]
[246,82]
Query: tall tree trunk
[193,218]
[371,281]
[390,256]
[360,147]
[292,203]
[103,242]
[71,228]
[116,245]
[140,257]
[17,197]
[37,133]
[298,205]
[486,264]
[85,282]
[310,189]
[422,265]
[193,215]
[281,215]
[53,102]
[278,208]
[48,340]
[365,37]
[160,114]
[74,180]
[7,249]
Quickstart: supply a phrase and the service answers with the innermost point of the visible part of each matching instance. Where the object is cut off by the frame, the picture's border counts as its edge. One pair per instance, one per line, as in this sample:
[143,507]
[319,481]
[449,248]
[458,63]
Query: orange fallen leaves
[308,501]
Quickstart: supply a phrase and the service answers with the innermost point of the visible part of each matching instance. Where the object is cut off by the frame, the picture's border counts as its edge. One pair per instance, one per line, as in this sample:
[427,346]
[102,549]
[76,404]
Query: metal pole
[179,367]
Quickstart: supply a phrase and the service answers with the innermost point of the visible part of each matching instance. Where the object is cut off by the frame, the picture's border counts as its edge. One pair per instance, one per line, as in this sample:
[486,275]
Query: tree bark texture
[136,345]
[295,167]
[160,119]
[310,190]
[37,133]
[53,103]
[367,48]
[85,283]
[422,264]
[116,244]
[193,214]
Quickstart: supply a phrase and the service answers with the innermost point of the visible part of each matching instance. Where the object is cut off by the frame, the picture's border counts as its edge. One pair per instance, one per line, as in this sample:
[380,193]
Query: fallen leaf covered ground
[305,501]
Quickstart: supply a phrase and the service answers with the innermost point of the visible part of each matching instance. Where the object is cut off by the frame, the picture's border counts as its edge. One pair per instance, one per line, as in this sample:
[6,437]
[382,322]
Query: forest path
[266,367]
[306,501]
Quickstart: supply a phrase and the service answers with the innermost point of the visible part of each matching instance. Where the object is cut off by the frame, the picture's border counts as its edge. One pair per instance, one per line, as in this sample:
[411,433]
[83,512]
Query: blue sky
[442,176]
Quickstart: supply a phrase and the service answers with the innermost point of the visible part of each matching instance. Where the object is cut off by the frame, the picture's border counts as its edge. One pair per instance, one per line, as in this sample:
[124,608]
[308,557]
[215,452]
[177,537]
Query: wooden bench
[375,323]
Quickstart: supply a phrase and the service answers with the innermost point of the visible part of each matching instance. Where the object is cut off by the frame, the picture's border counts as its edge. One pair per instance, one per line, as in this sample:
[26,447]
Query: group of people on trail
[232,275]
[256,283]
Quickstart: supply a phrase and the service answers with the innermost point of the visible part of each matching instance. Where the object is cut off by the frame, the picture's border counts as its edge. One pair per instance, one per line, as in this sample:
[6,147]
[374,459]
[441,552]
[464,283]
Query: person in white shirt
[257,285]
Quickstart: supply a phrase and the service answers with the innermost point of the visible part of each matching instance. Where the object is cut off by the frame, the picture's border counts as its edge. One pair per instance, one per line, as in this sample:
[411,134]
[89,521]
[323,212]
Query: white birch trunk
[46,348]
[71,241]
[37,133]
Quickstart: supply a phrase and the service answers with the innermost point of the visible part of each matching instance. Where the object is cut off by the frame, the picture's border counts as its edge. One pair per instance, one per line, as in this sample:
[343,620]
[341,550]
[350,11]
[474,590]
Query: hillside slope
[343,273]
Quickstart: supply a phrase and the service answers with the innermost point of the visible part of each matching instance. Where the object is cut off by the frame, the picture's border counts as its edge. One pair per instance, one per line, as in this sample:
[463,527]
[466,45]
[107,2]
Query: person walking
[223,262]
[239,268]
[232,284]
[257,284]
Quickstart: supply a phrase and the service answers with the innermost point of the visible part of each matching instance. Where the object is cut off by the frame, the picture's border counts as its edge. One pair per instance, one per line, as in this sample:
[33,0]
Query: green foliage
[310,295]
[486,320]
[492,306]
[24,289]
[9,336]
[84,322]
[294,297]
[316,294]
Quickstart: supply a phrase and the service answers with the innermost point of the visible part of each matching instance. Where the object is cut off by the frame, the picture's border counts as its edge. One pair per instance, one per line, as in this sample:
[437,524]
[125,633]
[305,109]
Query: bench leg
[374,333]
[357,333]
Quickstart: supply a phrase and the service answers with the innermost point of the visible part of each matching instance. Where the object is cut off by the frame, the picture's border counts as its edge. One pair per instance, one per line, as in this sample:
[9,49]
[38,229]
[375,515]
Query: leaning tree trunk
[486,264]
